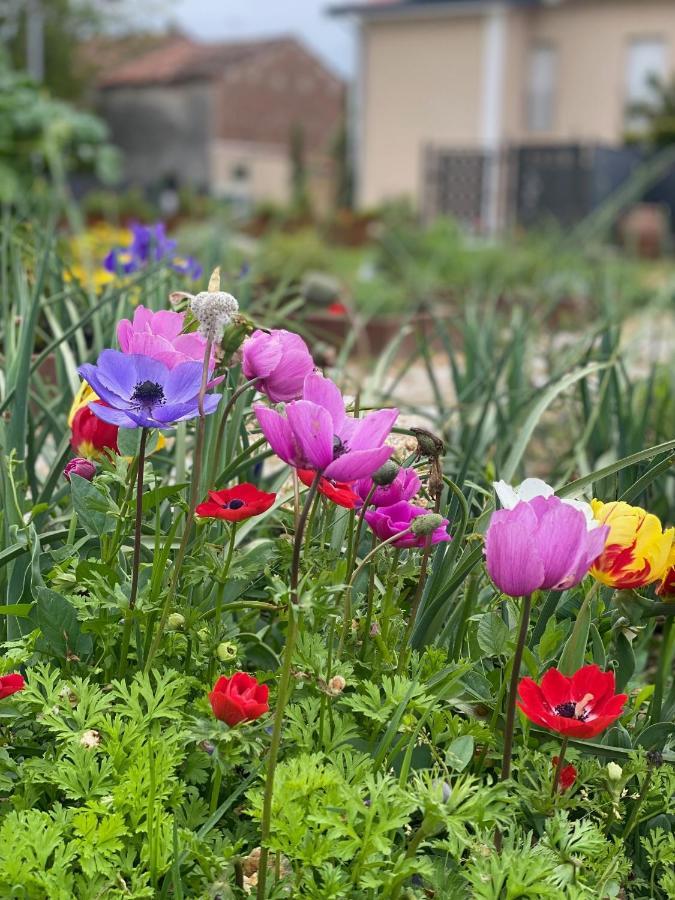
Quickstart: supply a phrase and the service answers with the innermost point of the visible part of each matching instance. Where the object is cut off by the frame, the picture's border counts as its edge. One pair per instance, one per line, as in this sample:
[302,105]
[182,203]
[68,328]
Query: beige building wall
[592,39]
[422,83]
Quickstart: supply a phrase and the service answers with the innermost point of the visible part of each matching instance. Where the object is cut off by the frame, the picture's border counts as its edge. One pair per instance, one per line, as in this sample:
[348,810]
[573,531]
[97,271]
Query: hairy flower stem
[135,566]
[511,700]
[220,435]
[194,496]
[284,687]
[663,671]
[559,767]
[224,571]
[347,614]
[414,608]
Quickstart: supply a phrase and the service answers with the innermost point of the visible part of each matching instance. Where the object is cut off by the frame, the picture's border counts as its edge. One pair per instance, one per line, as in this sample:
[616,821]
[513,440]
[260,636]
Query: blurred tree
[344,171]
[654,119]
[299,192]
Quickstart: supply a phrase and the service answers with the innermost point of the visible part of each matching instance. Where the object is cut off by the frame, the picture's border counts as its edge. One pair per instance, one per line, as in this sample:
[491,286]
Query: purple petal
[116,372]
[90,374]
[183,382]
[146,368]
[511,553]
[358,464]
[177,412]
[278,433]
[561,542]
[313,432]
[325,393]
[372,430]
[113,416]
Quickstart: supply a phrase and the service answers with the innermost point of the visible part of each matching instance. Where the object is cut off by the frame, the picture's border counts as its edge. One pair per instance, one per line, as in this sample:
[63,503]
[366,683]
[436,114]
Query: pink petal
[358,464]
[372,430]
[512,560]
[325,393]
[313,433]
[278,433]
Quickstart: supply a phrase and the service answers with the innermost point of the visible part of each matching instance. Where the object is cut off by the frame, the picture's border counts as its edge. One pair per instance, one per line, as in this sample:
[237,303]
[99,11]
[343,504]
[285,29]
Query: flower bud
[80,466]
[214,310]
[386,473]
[175,622]
[427,524]
[90,739]
[337,684]
[226,651]
[614,771]
[654,759]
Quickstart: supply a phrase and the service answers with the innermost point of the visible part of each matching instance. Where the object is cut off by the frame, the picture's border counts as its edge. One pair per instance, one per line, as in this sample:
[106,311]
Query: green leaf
[58,622]
[599,655]
[154,498]
[460,753]
[551,639]
[617,736]
[572,657]
[656,736]
[129,441]
[22,610]
[493,634]
[626,661]
[575,487]
[91,505]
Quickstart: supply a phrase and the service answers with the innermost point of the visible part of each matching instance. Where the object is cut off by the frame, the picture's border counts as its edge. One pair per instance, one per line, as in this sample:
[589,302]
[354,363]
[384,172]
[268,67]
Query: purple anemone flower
[386,521]
[403,487]
[316,433]
[144,392]
[543,543]
[149,244]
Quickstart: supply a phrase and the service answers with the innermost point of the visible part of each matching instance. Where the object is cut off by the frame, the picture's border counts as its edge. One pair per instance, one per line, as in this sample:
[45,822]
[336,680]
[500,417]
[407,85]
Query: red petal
[556,688]
[10,684]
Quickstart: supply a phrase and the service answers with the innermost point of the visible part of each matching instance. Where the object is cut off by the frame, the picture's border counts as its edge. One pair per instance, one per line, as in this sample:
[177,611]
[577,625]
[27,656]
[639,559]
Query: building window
[646,61]
[541,85]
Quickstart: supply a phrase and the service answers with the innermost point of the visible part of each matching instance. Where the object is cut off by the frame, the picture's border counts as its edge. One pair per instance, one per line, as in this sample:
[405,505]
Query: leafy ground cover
[266,635]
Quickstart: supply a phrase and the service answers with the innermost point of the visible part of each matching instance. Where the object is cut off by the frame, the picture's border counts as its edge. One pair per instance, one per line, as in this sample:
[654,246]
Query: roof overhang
[405,9]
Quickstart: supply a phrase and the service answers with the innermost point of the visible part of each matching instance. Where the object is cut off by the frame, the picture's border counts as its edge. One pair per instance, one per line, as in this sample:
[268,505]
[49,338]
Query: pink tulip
[281,360]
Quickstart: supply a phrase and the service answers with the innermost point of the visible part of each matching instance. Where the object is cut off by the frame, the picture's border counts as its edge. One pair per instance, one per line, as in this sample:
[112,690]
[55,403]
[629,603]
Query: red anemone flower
[238,698]
[568,774]
[10,684]
[236,504]
[339,492]
[579,707]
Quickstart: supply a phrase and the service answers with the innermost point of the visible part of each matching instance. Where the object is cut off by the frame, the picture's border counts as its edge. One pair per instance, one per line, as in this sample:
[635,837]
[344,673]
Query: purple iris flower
[543,543]
[149,244]
[386,521]
[144,392]
[316,433]
[403,487]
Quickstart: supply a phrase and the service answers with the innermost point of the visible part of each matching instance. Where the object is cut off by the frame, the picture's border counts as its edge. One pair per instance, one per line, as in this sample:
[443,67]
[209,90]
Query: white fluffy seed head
[214,310]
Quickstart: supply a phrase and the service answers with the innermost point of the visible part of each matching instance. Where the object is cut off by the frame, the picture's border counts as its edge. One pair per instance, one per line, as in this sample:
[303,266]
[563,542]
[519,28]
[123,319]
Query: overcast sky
[224,19]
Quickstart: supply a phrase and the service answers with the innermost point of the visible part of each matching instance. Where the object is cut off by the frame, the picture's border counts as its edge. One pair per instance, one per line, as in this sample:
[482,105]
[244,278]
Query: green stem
[215,788]
[632,819]
[663,671]
[224,571]
[414,606]
[72,529]
[559,767]
[135,566]
[284,688]
[347,615]
[218,449]
[194,495]
[356,534]
[511,701]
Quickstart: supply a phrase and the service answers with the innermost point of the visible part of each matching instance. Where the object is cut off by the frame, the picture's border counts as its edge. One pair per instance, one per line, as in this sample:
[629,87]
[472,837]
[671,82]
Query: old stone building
[221,117]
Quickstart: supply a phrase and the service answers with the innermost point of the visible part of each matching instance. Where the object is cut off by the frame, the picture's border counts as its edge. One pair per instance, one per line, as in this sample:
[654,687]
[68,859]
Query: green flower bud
[175,622]
[427,524]
[227,651]
[386,473]
[614,771]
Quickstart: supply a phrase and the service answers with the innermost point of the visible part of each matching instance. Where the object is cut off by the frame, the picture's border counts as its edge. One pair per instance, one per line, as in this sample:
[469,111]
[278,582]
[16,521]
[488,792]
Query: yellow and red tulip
[637,549]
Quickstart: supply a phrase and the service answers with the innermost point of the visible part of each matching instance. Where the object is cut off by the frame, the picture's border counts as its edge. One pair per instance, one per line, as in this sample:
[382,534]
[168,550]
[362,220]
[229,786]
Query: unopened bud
[226,651]
[80,466]
[386,474]
[614,771]
[337,684]
[655,758]
[175,622]
[426,524]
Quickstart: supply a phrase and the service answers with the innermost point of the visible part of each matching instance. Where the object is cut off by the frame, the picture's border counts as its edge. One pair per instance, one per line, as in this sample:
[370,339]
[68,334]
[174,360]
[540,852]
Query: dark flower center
[339,447]
[572,710]
[234,504]
[148,393]
[566,710]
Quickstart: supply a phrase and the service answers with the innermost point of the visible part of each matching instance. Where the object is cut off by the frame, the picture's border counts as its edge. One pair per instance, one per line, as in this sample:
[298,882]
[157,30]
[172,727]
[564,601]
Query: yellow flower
[637,548]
